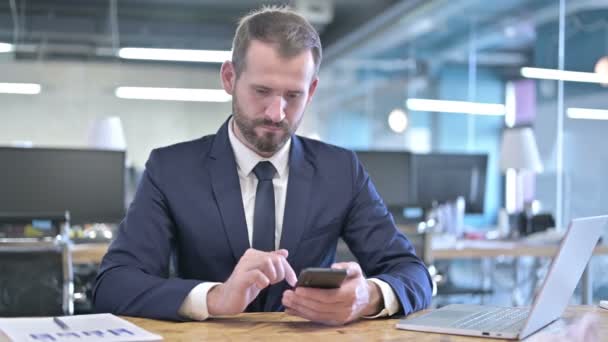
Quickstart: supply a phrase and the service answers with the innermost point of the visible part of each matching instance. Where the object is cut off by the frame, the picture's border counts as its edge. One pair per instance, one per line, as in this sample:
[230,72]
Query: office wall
[452,133]
[359,121]
[75,93]
[585,167]
[355,115]
[585,190]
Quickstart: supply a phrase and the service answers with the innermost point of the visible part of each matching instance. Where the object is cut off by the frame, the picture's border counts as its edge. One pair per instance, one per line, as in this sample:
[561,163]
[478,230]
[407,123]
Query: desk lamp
[107,133]
[519,156]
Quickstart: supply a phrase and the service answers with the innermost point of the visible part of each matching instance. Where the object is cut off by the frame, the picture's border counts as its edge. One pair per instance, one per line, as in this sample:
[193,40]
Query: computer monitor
[390,173]
[87,183]
[441,177]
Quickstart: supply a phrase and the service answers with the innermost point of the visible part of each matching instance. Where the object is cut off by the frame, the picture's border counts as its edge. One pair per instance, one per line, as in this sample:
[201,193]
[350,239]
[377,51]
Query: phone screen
[324,278]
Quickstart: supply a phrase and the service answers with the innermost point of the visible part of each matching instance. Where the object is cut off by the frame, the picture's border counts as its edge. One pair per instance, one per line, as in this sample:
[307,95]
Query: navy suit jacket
[188,205]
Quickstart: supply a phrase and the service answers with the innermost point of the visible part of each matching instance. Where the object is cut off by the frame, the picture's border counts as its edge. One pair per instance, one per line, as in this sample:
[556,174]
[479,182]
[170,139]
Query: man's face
[270,96]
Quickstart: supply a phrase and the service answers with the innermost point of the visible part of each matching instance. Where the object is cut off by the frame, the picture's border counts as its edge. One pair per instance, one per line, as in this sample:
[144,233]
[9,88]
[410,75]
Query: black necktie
[263,221]
[263,214]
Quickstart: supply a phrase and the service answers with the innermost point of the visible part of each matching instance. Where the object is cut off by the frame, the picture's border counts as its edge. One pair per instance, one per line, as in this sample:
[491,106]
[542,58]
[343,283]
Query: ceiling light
[173,94]
[510,32]
[563,75]
[397,120]
[4,47]
[20,88]
[209,56]
[587,113]
[601,68]
[477,108]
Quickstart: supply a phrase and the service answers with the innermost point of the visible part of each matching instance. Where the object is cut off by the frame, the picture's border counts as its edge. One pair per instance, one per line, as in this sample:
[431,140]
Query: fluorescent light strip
[209,56]
[476,108]
[4,47]
[20,88]
[173,94]
[587,113]
[563,75]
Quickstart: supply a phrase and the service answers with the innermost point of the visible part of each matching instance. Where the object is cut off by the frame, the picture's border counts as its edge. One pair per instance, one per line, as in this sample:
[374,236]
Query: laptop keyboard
[499,319]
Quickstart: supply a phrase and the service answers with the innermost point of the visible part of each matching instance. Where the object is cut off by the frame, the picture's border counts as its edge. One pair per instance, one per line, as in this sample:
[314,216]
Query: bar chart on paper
[98,327]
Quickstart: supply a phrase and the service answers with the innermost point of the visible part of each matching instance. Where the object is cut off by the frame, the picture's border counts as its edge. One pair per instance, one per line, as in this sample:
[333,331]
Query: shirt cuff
[195,304]
[391,304]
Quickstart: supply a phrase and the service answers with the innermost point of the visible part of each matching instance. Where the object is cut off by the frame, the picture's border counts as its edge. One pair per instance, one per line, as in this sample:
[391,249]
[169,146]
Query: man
[246,209]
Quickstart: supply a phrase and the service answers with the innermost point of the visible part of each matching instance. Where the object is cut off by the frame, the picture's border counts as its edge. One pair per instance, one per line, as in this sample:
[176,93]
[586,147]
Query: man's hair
[292,33]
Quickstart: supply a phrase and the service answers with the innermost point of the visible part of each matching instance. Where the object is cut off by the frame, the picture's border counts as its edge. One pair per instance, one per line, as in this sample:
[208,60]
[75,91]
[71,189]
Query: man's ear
[228,76]
[312,88]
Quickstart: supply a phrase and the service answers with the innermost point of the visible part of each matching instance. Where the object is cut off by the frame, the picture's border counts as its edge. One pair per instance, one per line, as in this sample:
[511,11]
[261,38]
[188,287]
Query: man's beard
[268,142]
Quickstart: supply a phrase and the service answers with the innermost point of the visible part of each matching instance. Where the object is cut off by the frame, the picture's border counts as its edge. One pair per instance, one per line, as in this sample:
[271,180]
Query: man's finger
[257,278]
[352,268]
[294,301]
[265,261]
[267,267]
[253,259]
[290,274]
[277,263]
[327,296]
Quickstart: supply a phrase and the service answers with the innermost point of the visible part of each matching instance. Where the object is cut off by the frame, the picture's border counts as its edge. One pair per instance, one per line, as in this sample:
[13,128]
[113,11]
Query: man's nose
[276,110]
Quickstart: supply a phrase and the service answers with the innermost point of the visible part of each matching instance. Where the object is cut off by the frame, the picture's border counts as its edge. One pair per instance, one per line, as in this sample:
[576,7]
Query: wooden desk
[281,327]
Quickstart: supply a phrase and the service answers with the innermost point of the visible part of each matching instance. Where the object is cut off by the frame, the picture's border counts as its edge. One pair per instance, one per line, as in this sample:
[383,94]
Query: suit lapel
[227,192]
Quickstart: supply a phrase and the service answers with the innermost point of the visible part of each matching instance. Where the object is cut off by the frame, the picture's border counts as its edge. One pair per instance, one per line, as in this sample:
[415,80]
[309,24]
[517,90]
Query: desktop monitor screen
[440,177]
[390,173]
[87,183]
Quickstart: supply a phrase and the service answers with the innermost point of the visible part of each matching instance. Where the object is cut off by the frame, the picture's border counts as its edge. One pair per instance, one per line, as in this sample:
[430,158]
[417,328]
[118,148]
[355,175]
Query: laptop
[564,273]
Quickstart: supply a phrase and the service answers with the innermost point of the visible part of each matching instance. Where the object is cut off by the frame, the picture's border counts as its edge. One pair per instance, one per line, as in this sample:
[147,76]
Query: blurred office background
[508,99]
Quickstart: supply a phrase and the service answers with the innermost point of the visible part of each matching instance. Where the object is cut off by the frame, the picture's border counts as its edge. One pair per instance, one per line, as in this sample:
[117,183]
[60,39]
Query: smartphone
[323,278]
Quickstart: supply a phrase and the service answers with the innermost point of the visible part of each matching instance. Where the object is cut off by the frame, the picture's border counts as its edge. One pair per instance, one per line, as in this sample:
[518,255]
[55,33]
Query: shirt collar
[247,159]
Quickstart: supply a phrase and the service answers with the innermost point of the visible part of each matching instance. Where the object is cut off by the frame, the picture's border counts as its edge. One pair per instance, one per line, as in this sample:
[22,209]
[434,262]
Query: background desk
[281,327]
[461,249]
[89,252]
[478,249]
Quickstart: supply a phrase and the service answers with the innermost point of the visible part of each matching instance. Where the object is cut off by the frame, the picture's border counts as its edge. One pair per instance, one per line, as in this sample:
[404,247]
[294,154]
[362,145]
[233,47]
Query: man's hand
[255,271]
[356,297]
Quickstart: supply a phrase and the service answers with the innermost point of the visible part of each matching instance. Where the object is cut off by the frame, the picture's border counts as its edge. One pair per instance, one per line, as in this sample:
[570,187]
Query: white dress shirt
[195,304]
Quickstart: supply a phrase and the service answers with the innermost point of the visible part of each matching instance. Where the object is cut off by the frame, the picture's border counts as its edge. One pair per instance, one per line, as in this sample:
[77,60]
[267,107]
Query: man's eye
[261,91]
[293,95]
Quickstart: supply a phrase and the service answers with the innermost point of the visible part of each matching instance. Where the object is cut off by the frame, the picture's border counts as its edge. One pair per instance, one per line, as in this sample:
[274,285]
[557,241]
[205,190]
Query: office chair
[35,269]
